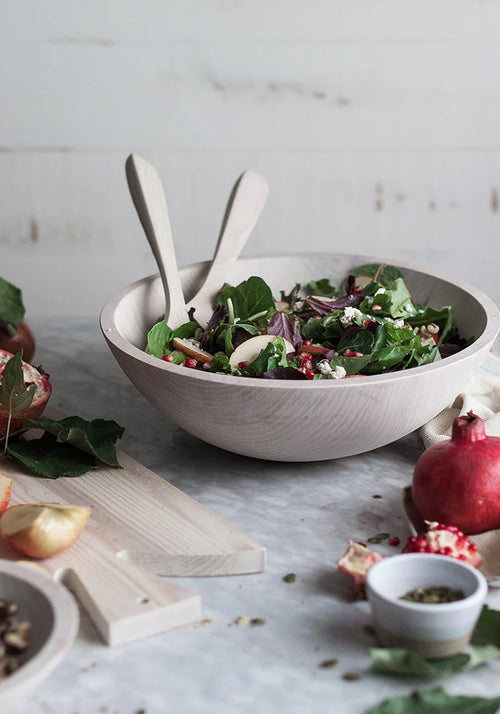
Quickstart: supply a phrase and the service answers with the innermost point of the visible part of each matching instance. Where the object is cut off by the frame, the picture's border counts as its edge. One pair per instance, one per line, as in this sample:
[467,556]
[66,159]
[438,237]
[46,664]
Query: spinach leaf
[437,701]
[352,365]
[388,357]
[386,274]
[159,336]
[186,331]
[249,298]
[357,341]
[322,288]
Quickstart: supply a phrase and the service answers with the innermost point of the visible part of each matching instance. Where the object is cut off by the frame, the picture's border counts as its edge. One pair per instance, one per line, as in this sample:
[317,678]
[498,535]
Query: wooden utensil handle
[149,200]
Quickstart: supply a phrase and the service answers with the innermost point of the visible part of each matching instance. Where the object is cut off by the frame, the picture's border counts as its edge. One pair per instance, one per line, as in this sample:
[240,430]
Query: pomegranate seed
[310,374]
[377,495]
[190,362]
[307,365]
[206,365]
[167,358]
[307,342]
[366,322]
[363,544]
[472,548]
[349,353]
[242,365]
[305,357]
[357,289]
[394,541]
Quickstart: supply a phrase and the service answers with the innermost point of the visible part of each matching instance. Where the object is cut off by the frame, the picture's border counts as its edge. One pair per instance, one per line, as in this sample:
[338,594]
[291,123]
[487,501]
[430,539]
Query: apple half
[43,529]
[251,349]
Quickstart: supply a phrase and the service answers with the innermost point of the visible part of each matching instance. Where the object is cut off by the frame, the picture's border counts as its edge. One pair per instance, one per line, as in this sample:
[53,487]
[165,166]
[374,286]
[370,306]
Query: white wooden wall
[376,123]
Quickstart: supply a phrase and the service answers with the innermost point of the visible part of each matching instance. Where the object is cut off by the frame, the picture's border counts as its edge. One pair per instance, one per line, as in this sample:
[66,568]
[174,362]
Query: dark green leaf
[437,701]
[51,459]
[402,661]
[360,341]
[96,437]
[322,287]
[388,357]
[487,630]
[249,298]
[352,365]
[15,396]
[186,331]
[386,277]
[159,336]
[11,304]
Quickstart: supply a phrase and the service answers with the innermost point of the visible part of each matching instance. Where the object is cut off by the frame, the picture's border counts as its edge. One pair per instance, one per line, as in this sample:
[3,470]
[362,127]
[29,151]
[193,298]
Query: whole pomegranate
[16,340]
[458,481]
[42,393]
[445,540]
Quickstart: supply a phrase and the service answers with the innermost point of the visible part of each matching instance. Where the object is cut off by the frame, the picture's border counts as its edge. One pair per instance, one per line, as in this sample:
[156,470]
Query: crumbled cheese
[350,315]
[332,373]
[409,307]
[399,324]
[380,291]
[192,341]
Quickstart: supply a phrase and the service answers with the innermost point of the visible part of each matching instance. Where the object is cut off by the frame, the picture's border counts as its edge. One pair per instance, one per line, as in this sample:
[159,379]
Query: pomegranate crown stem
[468,429]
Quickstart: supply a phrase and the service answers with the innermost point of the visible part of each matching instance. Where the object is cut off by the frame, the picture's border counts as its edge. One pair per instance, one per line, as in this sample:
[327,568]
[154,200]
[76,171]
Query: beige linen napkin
[481,395]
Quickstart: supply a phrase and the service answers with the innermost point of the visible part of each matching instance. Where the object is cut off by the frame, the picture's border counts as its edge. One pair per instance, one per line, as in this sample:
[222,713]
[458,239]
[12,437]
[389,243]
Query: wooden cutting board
[141,527]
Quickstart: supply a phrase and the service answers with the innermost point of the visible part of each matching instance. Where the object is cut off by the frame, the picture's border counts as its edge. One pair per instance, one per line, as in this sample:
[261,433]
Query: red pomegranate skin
[23,339]
[458,481]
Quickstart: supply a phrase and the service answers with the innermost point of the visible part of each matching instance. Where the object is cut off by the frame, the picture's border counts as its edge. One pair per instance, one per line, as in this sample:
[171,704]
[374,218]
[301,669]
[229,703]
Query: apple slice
[43,529]
[5,490]
[191,350]
[250,349]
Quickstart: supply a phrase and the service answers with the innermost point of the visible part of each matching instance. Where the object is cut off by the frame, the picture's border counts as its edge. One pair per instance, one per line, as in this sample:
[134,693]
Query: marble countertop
[302,513]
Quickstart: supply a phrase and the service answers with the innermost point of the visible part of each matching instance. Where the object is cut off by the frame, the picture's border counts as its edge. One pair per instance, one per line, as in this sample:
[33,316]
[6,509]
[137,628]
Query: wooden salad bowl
[298,420]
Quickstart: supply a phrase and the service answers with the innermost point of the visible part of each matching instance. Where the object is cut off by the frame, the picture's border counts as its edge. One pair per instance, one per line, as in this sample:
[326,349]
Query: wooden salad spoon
[244,207]
[149,200]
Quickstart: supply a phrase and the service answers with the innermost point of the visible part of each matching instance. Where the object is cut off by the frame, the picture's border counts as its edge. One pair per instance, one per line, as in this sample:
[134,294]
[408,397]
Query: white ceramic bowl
[434,631]
[289,420]
[54,616]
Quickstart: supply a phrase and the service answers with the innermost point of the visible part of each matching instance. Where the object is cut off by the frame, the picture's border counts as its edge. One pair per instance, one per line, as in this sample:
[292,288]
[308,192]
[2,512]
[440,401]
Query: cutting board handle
[128,603]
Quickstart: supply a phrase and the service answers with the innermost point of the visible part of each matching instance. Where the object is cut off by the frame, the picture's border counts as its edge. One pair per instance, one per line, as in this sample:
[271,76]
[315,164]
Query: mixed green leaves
[437,701]
[365,328]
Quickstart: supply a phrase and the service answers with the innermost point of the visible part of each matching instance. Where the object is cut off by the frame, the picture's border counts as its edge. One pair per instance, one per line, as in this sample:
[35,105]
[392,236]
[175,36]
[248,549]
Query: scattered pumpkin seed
[328,663]
[351,676]
[257,621]
[289,578]
[433,595]
[379,538]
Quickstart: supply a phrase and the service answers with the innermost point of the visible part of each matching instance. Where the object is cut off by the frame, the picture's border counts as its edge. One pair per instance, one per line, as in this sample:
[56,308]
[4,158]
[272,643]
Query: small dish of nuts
[38,623]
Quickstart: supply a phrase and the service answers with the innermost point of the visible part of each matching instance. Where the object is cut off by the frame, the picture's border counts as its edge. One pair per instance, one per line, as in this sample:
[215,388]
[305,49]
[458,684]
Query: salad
[369,325]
